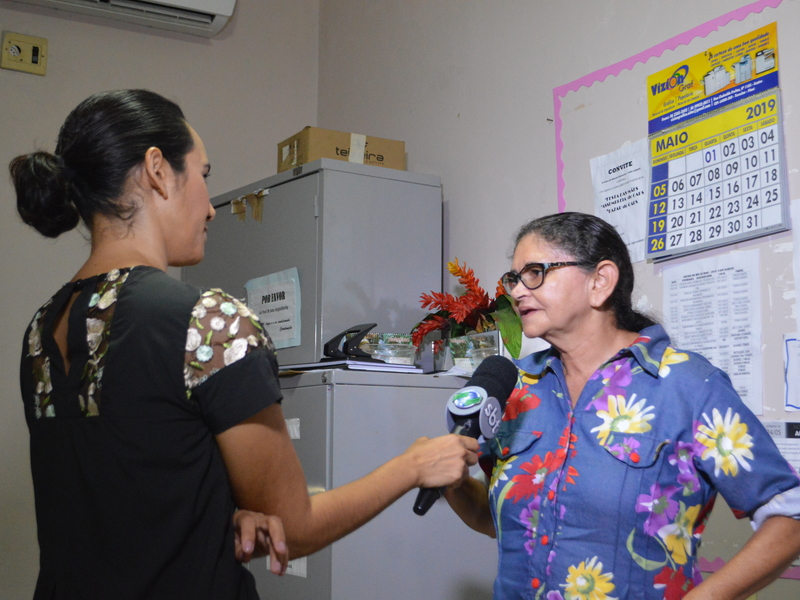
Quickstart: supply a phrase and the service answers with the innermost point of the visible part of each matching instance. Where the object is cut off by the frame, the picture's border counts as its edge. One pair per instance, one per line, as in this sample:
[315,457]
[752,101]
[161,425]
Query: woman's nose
[519,290]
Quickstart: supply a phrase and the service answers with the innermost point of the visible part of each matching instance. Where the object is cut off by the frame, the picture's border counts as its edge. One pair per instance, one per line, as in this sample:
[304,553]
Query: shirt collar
[648,350]
[536,363]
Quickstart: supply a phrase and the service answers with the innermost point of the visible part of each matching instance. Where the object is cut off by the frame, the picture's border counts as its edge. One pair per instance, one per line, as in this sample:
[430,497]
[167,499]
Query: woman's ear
[604,281]
[156,172]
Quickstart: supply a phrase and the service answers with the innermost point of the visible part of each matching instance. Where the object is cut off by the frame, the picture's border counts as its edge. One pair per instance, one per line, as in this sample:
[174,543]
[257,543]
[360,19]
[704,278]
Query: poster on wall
[720,76]
[712,306]
[275,298]
[717,161]
[621,181]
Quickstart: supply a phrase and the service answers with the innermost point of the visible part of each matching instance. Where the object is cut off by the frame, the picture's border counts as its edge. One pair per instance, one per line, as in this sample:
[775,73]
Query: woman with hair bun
[153,407]
[614,445]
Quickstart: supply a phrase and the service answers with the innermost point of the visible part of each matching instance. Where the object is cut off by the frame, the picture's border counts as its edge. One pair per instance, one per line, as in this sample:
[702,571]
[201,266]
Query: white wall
[243,91]
[467,84]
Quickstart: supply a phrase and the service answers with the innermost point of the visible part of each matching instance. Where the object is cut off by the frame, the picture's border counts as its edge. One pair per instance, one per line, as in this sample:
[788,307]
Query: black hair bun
[42,183]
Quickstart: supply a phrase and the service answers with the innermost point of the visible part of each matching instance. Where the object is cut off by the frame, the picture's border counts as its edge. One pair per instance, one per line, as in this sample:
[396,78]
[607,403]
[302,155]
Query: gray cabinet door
[288,236]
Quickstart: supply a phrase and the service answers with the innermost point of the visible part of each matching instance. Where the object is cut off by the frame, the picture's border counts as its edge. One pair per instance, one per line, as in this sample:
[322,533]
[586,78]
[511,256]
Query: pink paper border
[600,75]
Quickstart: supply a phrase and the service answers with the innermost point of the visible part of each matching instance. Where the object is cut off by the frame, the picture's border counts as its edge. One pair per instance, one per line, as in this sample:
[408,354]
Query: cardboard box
[313,143]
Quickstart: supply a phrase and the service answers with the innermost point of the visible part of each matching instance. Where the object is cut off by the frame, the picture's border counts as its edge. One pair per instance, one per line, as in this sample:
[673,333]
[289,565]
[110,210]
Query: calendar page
[718,180]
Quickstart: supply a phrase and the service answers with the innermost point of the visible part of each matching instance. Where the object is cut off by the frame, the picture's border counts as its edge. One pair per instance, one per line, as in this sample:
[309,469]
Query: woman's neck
[118,245]
[582,355]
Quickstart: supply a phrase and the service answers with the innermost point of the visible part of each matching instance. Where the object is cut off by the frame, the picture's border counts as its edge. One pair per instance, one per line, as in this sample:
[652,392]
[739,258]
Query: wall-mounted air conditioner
[197,17]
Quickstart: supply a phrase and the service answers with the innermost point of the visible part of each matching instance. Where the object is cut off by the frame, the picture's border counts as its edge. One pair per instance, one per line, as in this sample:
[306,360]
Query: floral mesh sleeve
[222,331]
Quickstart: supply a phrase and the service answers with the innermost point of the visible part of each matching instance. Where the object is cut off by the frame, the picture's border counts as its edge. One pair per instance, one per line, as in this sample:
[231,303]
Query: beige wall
[248,88]
[467,84]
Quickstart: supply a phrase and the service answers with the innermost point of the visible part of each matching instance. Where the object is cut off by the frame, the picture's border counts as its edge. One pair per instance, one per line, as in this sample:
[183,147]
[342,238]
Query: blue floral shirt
[609,499]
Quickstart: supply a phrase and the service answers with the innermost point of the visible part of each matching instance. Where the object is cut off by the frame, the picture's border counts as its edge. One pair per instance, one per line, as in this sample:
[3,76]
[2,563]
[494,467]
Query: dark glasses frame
[511,279]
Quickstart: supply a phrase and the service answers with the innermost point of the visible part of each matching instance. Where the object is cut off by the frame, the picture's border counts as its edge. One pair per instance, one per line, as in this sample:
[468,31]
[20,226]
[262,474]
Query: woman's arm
[470,501]
[266,476]
[767,553]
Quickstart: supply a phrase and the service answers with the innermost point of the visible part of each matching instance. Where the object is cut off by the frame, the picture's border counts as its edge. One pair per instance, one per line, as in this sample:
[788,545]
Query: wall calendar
[718,181]
[717,161]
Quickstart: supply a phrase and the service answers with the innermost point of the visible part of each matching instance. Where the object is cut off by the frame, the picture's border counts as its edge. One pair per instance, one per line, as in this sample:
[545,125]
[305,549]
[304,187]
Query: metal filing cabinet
[366,242]
[349,423]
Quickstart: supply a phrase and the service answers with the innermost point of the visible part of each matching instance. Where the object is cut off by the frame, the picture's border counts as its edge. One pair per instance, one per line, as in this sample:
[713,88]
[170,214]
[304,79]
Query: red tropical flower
[471,309]
[566,443]
[572,472]
[675,583]
[532,482]
[520,401]
[431,323]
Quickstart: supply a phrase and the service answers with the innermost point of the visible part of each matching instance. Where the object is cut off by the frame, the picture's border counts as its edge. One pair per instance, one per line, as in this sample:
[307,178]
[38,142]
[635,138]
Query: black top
[132,496]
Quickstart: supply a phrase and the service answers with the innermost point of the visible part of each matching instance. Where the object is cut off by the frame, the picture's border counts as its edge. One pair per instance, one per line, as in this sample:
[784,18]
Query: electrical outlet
[24,53]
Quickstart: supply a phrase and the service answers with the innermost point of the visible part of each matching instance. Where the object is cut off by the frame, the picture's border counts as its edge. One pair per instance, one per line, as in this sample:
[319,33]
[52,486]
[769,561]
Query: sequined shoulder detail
[222,330]
[98,332]
[42,404]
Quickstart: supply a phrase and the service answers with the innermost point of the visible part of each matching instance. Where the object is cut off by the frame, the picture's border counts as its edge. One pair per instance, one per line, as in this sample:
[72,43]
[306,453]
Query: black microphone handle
[427,496]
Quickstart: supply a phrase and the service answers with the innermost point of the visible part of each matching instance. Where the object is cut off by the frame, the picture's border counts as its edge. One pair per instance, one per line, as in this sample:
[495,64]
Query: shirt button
[545,540]
[536,583]
[635,457]
[505,451]
[551,494]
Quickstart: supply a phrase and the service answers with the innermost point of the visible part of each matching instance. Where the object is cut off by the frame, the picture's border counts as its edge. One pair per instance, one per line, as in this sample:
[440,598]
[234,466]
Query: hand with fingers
[258,535]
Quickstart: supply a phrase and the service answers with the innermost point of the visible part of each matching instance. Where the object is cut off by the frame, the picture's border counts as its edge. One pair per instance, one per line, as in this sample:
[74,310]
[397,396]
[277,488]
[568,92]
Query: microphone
[476,410]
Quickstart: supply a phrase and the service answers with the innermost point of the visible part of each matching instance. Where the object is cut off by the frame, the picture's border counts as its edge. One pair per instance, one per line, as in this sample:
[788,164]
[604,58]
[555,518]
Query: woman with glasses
[614,444]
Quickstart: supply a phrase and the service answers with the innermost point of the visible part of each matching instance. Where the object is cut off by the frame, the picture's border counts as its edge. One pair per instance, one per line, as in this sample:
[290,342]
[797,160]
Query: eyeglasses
[532,275]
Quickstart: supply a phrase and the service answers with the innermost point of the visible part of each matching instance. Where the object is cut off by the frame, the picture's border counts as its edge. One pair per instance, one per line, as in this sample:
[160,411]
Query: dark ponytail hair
[102,140]
[590,240]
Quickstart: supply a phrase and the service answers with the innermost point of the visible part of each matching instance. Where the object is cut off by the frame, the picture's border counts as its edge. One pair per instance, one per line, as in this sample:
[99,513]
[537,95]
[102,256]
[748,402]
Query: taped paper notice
[791,371]
[713,306]
[275,299]
[358,144]
[297,567]
[621,182]
[786,436]
[293,426]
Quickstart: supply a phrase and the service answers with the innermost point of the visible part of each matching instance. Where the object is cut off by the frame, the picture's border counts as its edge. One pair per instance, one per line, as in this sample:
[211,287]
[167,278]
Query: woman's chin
[532,331]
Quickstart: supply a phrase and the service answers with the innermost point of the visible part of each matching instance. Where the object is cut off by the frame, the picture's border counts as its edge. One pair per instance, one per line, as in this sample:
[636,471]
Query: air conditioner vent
[198,17]
[150,9]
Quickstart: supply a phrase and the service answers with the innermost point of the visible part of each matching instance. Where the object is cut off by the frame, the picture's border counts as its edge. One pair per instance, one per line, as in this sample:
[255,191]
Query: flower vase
[468,351]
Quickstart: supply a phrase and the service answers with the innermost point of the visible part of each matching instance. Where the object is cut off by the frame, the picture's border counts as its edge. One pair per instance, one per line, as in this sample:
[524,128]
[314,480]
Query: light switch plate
[24,53]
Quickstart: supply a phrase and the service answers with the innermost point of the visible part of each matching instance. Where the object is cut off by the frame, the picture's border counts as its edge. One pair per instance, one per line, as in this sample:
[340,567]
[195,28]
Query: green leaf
[647,565]
[500,499]
[510,326]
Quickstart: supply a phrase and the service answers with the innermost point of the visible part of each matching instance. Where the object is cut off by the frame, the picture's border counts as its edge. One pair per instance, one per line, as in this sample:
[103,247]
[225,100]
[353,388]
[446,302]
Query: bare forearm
[266,477]
[338,512]
[427,463]
[761,560]
[470,501]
